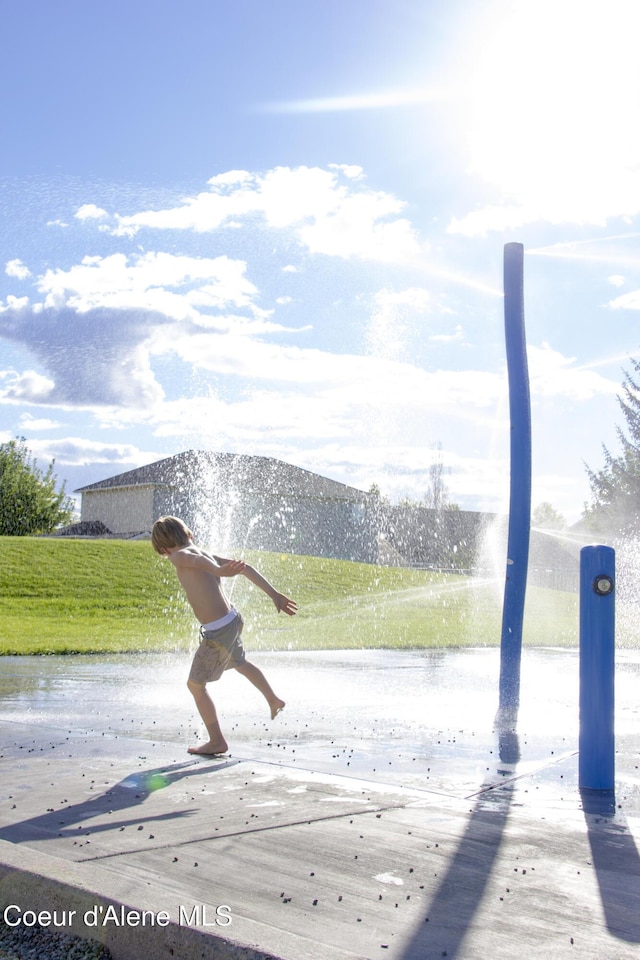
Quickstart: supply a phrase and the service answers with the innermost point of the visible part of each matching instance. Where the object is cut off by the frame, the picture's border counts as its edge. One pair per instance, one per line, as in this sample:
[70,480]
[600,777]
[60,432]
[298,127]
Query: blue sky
[277,228]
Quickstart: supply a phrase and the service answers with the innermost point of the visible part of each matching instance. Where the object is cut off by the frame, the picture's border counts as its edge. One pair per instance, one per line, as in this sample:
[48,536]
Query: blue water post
[520,490]
[597,667]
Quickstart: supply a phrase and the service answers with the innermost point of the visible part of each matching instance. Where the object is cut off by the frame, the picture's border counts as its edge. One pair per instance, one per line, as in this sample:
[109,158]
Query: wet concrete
[379,815]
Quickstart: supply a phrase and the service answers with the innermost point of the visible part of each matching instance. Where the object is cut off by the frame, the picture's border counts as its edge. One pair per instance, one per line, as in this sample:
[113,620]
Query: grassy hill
[70,596]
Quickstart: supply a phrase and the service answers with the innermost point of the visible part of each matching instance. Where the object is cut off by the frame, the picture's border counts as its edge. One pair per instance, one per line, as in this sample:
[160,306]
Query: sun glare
[359,101]
[553,106]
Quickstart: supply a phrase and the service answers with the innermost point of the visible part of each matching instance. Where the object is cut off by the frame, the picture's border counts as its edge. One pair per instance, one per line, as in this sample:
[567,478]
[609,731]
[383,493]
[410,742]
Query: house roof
[264,475]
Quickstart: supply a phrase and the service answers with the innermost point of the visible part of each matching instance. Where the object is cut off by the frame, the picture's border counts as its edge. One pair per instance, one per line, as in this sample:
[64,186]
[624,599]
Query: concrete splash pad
[379,816]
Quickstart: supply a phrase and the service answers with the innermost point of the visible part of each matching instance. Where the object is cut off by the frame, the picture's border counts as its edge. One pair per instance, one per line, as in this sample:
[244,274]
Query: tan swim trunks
[219,650]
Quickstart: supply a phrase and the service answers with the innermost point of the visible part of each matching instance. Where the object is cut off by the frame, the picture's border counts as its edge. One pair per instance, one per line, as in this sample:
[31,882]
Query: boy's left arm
[283,604]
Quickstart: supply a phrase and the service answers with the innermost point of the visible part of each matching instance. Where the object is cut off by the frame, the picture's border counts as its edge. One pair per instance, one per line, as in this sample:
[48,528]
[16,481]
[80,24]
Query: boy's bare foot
[209,749]
[276,706]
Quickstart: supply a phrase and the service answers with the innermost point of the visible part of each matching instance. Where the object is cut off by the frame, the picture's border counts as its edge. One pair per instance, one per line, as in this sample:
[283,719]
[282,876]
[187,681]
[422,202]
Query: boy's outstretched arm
[283,604]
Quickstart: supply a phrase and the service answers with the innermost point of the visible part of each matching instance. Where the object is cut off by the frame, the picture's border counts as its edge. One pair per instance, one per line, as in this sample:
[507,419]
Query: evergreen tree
[29,501]
[615,489]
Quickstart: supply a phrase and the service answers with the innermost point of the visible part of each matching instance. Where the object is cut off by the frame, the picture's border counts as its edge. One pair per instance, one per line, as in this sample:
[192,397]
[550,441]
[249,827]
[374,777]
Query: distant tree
[436,497]
[375,491]
[547,517]
[29,501]
[615,489]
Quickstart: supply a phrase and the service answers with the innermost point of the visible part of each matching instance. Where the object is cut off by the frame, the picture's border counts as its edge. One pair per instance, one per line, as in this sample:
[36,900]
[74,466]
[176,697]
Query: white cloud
[352,170]
[553,375]
[99,356]
[148,282]
[628,301]
[27,422]
[300,378]
[360,227]
[100,321]
[17,269]
[617,280]
[402,470]
[14,304]
[348,375]
[89,211]
[115,330]
[330,211]
[27,387]
[79,451]
[251,420]
[302,393]
[342,410]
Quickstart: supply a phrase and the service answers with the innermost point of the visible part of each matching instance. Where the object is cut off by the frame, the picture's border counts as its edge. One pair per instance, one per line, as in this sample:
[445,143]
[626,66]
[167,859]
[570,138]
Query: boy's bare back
[199,573]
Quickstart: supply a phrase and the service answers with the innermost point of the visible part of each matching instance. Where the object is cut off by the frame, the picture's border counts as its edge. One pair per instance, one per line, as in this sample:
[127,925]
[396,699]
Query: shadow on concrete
[617,864]
[129,793]
[461,890]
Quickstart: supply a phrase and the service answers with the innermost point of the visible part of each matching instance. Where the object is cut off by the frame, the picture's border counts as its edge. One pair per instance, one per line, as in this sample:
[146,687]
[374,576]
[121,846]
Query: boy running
[221,648]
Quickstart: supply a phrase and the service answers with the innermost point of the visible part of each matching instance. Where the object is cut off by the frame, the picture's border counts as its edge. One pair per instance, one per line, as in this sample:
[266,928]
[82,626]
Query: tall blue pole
[520,490]
[596,765]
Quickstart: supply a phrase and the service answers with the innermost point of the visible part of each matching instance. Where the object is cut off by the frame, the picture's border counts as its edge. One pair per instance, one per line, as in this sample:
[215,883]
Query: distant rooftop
[255,474]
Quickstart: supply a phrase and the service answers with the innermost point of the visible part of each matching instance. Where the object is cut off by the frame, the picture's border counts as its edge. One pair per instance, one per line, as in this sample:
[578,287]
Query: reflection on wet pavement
[420,719]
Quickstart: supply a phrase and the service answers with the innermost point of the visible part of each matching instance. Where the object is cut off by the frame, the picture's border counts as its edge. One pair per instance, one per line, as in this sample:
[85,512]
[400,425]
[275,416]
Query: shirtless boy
[221,648]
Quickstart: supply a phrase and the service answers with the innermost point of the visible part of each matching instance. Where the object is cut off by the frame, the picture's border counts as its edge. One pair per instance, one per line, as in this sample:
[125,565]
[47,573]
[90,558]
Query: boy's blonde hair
[170,532]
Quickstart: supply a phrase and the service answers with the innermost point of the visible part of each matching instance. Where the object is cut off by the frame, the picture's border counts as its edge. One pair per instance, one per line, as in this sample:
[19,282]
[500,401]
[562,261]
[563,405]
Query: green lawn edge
[63,596]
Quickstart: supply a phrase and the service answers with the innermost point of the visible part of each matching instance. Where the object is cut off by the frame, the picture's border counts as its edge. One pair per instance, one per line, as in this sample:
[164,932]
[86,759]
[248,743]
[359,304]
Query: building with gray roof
[234,501]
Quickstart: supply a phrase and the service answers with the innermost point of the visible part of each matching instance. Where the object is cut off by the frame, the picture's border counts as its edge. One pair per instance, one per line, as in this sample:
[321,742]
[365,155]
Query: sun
[553,97]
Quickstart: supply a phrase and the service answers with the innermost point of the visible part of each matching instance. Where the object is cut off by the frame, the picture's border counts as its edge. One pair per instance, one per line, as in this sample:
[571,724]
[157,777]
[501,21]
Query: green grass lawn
[98,596]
